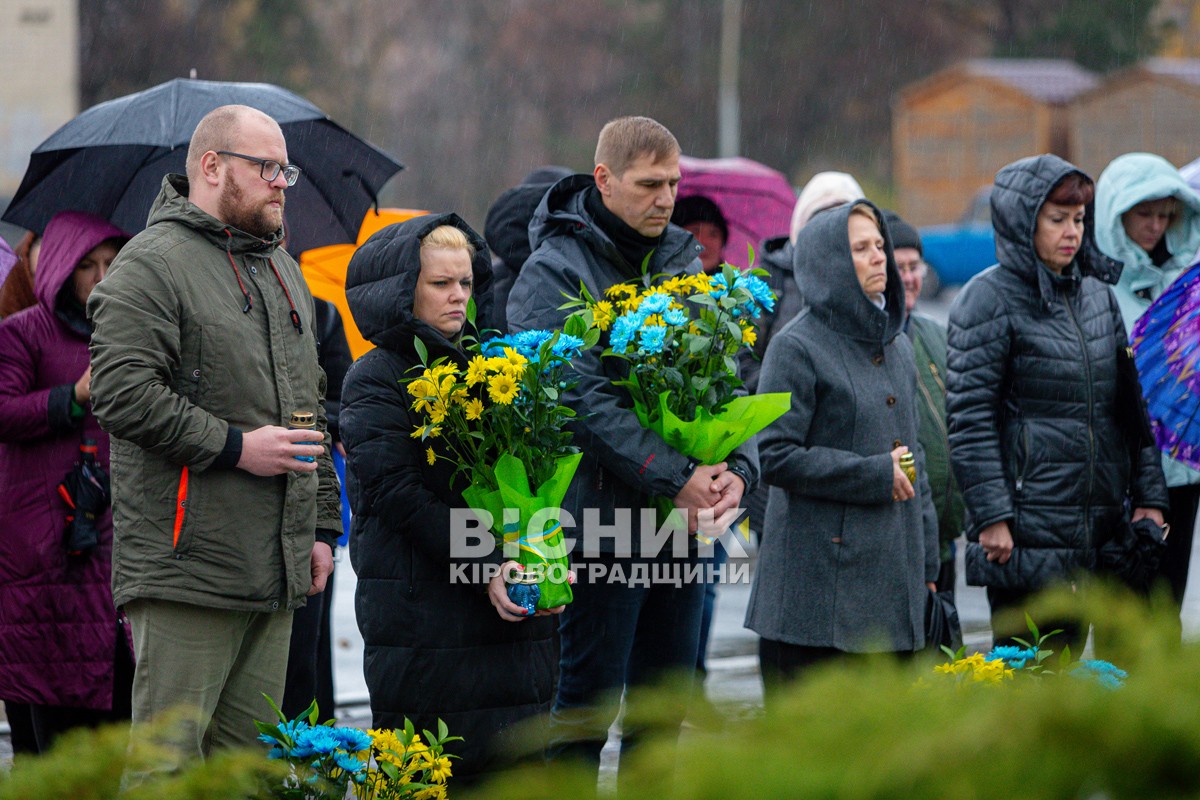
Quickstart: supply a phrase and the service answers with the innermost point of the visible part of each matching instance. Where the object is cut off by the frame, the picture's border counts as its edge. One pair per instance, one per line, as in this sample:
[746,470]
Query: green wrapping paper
[543,549]
[711,438]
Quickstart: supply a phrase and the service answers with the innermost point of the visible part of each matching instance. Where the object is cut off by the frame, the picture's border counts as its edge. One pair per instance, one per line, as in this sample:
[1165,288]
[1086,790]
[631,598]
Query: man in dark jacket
[506,231]
[928,338]
[597,230]
[203,347]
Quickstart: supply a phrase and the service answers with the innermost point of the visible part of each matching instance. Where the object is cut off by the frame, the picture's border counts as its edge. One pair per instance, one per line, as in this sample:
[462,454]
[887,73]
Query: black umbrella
[111,159]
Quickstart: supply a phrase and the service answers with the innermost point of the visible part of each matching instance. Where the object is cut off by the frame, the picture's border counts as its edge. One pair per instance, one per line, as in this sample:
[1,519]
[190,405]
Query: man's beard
[233,210]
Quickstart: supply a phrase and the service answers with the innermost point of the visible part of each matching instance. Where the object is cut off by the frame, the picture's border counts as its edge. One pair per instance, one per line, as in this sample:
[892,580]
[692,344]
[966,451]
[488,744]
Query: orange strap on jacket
[180,504]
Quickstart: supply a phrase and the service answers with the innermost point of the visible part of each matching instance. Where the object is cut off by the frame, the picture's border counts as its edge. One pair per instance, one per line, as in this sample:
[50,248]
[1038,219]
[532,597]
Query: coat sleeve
[27,414]
[1148,486]
[329,491]
[976,363]
[387,464]
[604,426]
[135,315]
[790,462]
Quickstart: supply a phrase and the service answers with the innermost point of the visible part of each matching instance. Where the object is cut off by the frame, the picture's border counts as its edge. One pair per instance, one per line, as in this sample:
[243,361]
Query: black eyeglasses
[268,170]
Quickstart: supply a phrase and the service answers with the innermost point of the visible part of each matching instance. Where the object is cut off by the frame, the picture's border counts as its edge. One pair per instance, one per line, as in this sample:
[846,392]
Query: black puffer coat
[433,648]
[1032,389]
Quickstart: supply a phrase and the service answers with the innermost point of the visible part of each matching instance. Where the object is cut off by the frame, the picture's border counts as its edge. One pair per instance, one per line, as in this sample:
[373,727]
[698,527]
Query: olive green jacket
[179,370]
[929,344]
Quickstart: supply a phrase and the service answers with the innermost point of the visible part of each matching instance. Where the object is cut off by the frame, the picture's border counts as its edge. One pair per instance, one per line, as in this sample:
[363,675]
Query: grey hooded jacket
[844,565]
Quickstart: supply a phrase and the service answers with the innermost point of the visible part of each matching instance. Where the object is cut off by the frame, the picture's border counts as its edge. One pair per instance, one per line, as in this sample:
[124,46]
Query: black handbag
[942,628]
[1133,556]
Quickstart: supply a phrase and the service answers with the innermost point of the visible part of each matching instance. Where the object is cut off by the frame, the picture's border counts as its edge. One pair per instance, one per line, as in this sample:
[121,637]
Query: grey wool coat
[845,566]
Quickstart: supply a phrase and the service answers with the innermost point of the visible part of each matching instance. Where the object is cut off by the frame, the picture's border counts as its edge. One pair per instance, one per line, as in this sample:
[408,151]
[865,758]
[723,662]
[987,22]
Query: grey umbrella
[110,160]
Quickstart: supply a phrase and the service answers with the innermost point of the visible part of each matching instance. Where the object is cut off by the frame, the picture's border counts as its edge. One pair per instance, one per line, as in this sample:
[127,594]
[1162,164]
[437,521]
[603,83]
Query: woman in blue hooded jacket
[1148,218]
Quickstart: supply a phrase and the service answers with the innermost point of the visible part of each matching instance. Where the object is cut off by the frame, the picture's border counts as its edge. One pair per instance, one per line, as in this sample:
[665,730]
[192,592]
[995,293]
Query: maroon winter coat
[58,626]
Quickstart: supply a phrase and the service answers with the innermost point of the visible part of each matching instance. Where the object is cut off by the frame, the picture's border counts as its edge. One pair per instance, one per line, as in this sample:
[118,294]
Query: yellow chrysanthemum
[387,746]
[602,315]
[654,319]
[676,285]
[437,412]
[474,408]
[496,364]
[476,370]
[435,792]
[502,389]
[439,770]
[431,456]
[749,337]
[618,290]
[422,386]
[514,357]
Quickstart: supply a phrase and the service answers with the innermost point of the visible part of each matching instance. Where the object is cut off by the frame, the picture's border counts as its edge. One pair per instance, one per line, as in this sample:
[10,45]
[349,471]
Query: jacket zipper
[180,507]
[1087,366]
[1023,463]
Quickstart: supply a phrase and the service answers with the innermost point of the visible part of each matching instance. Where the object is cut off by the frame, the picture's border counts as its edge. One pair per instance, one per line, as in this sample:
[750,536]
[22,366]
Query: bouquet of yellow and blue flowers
[326,762]
[682,337]
[500,420]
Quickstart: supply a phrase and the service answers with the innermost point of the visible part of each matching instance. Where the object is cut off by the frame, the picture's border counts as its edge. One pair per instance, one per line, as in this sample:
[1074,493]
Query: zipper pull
[1020,483]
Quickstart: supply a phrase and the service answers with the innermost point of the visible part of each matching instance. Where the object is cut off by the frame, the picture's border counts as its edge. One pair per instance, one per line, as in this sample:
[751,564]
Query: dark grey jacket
[1035,436]
[624,465]
[844,565]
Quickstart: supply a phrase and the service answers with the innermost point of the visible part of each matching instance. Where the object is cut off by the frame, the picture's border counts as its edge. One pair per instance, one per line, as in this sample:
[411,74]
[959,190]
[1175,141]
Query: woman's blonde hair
[447,237]
[864,210]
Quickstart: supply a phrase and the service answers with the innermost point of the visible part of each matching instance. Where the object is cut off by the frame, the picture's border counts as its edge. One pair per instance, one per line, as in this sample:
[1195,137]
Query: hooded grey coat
[1035,435]
[844,566]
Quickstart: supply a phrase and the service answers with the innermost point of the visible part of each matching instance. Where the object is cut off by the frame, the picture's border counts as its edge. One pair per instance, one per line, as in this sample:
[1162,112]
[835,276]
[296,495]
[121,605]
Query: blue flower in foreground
[320,739]
[653,304]
[759,290]
[623,331]
[720,287]
[353,739]
[1015,657]
[1104,673]
[651,339]
[567,346]
[676,316]
[348,762]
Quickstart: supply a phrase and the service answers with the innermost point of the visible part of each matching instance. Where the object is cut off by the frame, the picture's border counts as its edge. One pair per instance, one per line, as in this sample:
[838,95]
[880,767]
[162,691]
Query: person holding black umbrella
[225,518]
[63,646]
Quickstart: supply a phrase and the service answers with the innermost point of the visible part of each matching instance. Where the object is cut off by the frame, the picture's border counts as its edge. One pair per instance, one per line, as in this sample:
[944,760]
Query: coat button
[877,359]
[275,606]
[891,401]
[254,270]
[196,374]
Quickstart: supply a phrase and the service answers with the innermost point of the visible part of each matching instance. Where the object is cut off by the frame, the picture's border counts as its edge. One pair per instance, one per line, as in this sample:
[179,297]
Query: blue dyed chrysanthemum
[320,739]
[623,331]
[651,339]
[1015,657]
[348,762]
[567,346]
[759,290]
[675,316]
[353,739]
[653,304]
[1104,673]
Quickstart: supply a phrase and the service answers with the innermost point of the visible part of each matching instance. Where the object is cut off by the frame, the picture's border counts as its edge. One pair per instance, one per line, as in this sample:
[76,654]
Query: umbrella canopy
[111,159]
[1168,365]
[755,200]
[324,269]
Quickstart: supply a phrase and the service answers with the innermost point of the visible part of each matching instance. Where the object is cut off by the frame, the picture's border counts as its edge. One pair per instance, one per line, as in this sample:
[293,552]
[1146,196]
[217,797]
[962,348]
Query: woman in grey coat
[853,545]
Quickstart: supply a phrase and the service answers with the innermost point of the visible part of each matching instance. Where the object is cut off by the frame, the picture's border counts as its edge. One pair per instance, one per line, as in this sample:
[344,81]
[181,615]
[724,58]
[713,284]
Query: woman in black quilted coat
[1044,454]
[435,646]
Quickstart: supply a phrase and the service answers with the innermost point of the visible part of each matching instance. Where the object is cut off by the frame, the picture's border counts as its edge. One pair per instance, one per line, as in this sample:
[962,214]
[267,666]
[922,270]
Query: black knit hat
[698,208]
[903,234]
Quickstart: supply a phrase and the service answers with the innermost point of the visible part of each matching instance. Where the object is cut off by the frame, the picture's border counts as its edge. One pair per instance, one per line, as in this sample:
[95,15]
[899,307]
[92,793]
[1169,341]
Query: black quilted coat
[1035,435]
[433,648]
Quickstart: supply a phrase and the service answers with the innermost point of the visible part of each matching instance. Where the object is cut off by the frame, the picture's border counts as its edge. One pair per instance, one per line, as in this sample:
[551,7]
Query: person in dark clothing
[506,231]
[700,216]
[852,550]
[310,655]
[929,344]
[597,230]
[434,647]
[1038,444]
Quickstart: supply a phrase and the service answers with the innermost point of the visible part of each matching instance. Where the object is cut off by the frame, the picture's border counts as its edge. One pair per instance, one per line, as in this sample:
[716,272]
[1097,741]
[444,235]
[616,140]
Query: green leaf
[310,713]
[422,351]
[590,338]
[270,730]
[704,299]
[551,392]
[750,253]
[1064,660]
[1032,628]
[443,731]
[275,707]
[471,311]
[575,326]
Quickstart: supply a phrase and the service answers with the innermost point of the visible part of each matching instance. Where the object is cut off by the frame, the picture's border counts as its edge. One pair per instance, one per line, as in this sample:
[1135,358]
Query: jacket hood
[381,283]
[824,190]
[776,254]
[173,205]
[69,236]
[1131,179]
[507,226]
[829,285]
[563,211]
[1020,192]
